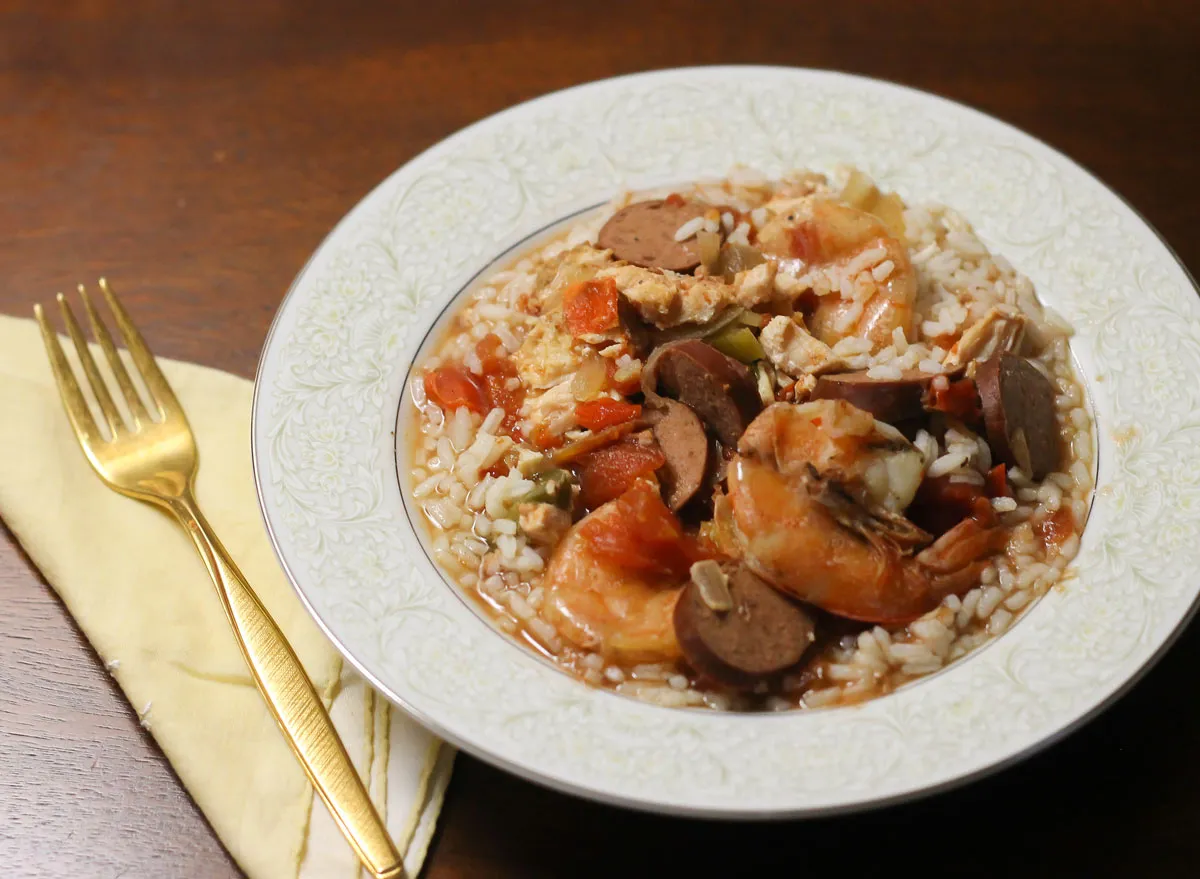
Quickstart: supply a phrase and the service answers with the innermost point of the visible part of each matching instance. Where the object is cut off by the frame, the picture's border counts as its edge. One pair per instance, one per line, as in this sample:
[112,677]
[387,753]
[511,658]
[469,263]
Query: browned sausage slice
[1018,411]
[718,388]
[681,437]
[888,399]
[643,233]
[762,634]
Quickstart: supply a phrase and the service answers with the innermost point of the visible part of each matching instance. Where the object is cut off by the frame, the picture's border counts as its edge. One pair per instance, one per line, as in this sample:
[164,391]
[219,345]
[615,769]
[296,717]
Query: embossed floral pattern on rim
[348,330]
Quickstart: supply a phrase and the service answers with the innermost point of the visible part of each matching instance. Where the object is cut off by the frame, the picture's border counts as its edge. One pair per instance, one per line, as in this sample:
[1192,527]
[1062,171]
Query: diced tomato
[500,468]
[941,504]
[543,439]
[996,483]
[945,341]
[675,200]
[498,372]
[643,535]
[960,399]
[605,412]
[1056,528]
[983,512]
[490,351]
[609,472]
[452,388]
[500,394]
[627,386]
[591,306]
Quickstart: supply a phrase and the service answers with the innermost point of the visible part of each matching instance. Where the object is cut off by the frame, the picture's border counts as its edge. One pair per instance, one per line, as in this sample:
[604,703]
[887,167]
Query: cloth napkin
[137,589]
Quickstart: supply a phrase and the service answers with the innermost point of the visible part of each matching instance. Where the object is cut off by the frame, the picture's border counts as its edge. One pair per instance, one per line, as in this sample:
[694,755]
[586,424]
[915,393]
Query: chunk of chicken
[999,331]
[793,351]
[667,299]
[755,286]
[803,388]
[530,462]
[547,355]
[543,524]
[553,409]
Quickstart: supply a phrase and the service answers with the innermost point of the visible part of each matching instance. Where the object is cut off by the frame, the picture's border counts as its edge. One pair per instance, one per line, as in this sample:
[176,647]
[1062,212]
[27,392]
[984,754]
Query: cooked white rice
[475,540]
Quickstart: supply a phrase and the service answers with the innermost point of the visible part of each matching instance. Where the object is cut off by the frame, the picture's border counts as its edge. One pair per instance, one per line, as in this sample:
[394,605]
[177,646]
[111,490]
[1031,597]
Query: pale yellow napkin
[132,581]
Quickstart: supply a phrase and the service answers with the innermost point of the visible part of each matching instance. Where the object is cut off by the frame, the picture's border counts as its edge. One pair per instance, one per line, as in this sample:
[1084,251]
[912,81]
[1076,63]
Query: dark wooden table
[197,153]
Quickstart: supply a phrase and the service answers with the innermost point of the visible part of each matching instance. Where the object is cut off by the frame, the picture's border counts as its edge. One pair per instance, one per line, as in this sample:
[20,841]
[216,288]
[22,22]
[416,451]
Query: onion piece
[738,258]
[699,331]
[589,380]
[764,380]
[859,191]
[752,319]
[890,210]
[709,246]
[576,450]
[712,584]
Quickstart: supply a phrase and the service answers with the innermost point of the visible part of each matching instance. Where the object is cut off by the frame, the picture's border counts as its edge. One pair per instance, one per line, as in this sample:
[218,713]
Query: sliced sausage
[643,233]
[888,399]
[681,437]
[762,634]
[1018,411]
[718,388]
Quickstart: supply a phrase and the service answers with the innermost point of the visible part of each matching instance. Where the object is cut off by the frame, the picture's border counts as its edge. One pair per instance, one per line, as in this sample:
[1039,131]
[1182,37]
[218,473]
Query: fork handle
[294,702]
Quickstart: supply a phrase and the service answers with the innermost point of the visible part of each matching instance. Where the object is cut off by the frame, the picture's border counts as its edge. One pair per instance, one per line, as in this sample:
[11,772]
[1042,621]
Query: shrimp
[798,526]
[597,605]
[871,459]
[864,283]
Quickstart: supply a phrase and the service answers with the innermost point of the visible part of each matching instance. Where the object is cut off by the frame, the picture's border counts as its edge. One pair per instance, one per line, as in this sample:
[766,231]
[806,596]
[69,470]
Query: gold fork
[152,457]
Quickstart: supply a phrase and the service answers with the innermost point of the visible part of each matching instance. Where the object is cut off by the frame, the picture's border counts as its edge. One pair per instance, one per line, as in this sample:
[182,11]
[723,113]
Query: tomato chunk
[604,412]
[543,439]
[499,388]
[996,482]
[644,536]
[591,306]
[609,472]
[500,394]
[940,504]
[452,388]
[490,351]
[500,468]
[960,399]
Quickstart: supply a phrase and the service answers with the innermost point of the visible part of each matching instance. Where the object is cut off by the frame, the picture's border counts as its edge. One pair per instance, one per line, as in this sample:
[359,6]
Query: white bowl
[332,372]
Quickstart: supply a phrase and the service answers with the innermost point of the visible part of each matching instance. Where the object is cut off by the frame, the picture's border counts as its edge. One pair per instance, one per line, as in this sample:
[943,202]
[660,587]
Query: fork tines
[160,396]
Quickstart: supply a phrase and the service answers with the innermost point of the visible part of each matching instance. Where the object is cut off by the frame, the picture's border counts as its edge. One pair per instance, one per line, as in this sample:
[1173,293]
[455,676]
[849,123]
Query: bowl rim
[639,803]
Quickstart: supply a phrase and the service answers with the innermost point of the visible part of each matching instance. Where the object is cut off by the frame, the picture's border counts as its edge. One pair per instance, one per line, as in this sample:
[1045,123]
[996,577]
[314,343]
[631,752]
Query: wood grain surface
[196,153]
